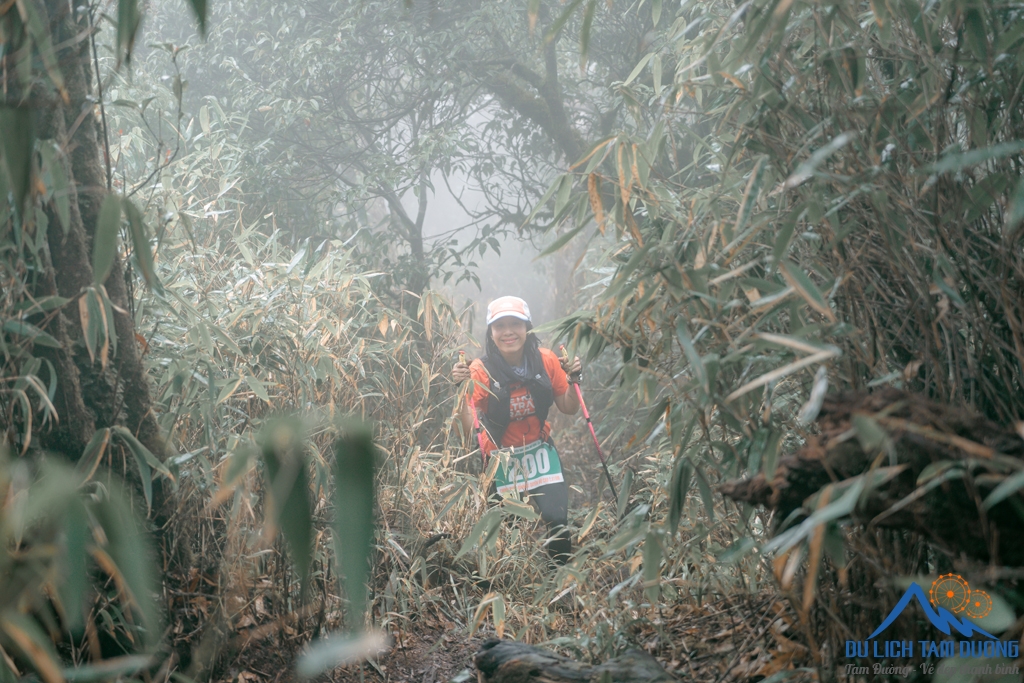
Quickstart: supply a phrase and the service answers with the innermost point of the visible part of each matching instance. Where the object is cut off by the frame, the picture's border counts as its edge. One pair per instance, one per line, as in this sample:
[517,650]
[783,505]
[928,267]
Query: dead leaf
[910,371]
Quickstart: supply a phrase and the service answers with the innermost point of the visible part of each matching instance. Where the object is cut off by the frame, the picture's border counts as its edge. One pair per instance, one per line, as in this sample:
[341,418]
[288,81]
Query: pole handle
[574,378]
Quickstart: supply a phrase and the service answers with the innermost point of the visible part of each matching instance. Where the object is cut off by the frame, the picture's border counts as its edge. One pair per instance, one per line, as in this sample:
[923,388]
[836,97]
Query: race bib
[526,468]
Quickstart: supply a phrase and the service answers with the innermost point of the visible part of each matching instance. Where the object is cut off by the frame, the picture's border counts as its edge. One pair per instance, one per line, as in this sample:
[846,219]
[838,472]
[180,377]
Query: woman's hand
[460,372]
[573,368]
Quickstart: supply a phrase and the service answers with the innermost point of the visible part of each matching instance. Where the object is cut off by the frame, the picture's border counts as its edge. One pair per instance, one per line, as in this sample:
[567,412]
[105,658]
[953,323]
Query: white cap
[508,306]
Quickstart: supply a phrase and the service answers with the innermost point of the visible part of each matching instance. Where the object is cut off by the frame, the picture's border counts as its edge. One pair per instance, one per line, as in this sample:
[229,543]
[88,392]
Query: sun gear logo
[949,596]
[953,593]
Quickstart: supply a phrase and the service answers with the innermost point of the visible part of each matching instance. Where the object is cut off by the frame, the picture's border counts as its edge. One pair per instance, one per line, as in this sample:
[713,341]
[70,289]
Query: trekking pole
[586,416]
[472,409]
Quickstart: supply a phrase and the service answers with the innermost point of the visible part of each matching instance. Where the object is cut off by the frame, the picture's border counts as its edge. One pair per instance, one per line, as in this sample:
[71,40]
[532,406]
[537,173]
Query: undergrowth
[251,327]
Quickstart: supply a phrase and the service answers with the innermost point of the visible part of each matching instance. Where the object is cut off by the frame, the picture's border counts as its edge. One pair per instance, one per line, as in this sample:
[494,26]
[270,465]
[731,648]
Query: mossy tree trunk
[89,394]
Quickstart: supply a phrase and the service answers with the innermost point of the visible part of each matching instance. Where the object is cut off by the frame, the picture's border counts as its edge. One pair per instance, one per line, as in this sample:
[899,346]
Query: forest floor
[424,655]
[732,639]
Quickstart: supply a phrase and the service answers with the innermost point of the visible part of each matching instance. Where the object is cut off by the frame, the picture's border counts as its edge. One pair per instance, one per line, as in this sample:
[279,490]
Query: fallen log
[962,455]
[506,661]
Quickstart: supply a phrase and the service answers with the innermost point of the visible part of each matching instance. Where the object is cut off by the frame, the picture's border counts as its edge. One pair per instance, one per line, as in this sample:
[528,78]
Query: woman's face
[509,335]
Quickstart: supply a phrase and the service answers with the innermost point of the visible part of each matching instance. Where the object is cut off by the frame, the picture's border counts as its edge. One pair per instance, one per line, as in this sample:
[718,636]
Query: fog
[517,270]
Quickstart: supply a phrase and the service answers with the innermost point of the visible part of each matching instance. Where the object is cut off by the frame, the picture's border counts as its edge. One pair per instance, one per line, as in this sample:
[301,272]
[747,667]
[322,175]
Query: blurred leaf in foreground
[285,459]
[353,509]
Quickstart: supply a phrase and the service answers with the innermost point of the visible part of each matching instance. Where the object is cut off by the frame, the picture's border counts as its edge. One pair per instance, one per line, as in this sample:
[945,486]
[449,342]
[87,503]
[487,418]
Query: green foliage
[288,491]
[768,192]
[354,484]
[819,185]
[58,529]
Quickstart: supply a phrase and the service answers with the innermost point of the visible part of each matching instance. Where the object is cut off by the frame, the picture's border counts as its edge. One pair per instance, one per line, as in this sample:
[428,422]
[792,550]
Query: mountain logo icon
[949,595]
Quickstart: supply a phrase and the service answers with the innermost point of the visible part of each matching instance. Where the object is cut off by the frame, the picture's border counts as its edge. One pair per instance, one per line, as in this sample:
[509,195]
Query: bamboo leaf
[16,144]
[140,240]
[705,494]
[137,448]
[93,453]
[785,235]
[869,433]
[682,474]
[487,523]
[520,509]
[201,10]
[737,551]
[638,68]
[40,305]
[588,22]
[652,563]
[696,364]
[955,161]
[835,548]
[257,388]
[131,555]
[588,523]
[799,281]
[559,23]
[1006,488]
[453,500]
[104,243]
[35,17]
[784,371]
[624,491]
[146,461]
[85,318]
[354,472]
[337,650]
[594,194]
[128,19]
[1001,616]
[564,191]
[30,331]
[806,170]
[226,340]
[204,118]
[562,240]
[543,200]
[284,456]
[33,643]
[481,610]
[229,388]
[51,154]
[75,575]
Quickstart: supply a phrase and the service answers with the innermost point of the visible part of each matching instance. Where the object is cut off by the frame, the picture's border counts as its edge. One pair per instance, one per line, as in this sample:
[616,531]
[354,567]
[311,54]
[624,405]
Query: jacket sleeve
[481,381]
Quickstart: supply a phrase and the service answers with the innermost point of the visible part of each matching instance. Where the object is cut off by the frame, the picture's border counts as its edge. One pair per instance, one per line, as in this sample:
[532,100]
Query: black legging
[552,501]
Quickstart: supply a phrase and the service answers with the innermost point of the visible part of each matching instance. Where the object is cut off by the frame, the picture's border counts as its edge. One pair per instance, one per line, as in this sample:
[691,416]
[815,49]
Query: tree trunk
[504,661]
[88,395]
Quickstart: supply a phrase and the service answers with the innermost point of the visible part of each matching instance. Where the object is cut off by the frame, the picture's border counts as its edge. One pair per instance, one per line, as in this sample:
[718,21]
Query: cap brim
[508,314]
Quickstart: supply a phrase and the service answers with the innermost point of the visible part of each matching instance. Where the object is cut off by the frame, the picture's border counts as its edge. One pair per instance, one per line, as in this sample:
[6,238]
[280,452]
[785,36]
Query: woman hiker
[514,386]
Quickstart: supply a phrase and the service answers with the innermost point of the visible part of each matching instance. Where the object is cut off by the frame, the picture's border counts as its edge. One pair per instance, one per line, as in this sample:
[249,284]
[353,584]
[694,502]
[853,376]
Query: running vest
[504,381]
